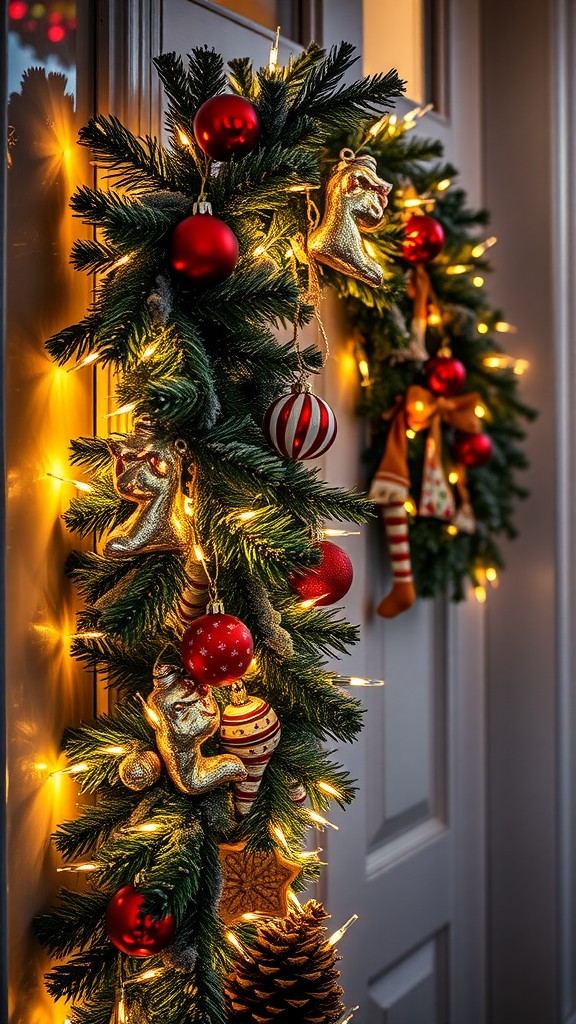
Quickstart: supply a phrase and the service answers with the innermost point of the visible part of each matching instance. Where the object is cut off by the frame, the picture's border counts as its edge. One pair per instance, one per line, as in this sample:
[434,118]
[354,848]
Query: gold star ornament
[255,882]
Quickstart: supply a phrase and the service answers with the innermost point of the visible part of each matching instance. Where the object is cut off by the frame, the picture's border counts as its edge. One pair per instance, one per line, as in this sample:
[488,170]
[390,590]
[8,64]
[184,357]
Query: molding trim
[129,35]
[3,695]
[564,271]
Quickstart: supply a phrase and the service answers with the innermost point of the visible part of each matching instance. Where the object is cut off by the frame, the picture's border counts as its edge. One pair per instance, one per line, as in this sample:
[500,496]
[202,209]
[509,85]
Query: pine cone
[292,978]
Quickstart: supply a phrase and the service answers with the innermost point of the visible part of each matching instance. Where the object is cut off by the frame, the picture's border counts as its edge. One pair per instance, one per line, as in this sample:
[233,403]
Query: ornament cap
[238,694]
[215,608]
[202,206]
[301,387]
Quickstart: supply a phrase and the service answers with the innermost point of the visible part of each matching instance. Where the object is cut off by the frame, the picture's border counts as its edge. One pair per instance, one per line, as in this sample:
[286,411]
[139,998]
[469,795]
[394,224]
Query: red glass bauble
[472,450]
[300,425]
[217,649]
[445,375]
[203,248]
[423,239]
[227,126]
[328,582]
[131,930]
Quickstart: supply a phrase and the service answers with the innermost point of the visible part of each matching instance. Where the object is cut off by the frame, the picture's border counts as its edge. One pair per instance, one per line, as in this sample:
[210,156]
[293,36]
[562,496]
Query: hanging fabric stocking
[403,594]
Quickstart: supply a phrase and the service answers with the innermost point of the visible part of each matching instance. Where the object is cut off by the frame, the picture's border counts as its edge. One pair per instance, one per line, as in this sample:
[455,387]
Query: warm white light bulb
[335,938]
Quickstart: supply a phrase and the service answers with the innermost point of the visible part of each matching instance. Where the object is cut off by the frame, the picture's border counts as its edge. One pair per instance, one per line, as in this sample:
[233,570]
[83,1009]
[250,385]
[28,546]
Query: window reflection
[269,13]
[41,33]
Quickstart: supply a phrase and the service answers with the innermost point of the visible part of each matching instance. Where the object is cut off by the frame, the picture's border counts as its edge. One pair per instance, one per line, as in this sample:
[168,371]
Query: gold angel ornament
[184,715]
[148,471]
[355,201]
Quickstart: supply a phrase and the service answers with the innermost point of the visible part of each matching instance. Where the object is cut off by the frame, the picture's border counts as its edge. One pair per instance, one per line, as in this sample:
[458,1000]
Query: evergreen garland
[203,364]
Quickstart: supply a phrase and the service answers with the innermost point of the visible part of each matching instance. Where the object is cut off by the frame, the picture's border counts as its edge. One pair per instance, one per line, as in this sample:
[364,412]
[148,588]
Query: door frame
[3,692]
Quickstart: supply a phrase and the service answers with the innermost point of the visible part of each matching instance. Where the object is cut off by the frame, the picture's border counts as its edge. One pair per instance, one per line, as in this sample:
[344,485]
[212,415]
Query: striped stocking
[402,595]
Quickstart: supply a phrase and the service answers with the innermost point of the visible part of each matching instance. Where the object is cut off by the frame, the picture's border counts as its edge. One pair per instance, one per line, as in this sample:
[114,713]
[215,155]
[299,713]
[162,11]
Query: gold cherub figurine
[184,714]
[148,471]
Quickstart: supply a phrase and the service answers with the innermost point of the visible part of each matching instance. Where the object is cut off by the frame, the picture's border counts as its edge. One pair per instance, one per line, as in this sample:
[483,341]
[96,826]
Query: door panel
[412,989]
[409,856]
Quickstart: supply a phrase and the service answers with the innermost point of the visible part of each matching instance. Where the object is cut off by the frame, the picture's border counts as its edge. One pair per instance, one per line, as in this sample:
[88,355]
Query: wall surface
[526,616]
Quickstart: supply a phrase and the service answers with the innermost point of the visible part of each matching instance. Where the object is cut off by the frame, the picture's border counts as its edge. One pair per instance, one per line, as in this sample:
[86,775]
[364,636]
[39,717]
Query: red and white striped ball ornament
[300,425]
[249,729]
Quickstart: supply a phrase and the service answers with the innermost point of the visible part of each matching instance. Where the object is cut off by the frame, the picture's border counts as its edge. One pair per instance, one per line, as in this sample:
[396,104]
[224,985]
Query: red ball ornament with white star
[217,648]
[300,425]
[227,126]
[328,582]
[445,375]
[131,930]
[423,238]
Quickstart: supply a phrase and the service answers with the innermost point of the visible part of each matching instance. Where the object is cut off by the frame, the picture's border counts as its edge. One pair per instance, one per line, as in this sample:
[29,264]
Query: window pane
[41,34]
[408,35]
[269,13]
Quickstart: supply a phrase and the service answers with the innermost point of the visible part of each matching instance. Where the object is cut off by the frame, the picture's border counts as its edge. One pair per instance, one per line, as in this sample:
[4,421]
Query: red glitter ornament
[328,582]
[472,450]
[423,239]
[445,375]
[227,126]
[203,248]
[131,930]
[217,649]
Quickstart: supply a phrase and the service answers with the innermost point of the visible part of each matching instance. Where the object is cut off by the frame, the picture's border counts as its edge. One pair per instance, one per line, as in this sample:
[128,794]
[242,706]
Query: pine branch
[139,163]
[82,835]
[76,921]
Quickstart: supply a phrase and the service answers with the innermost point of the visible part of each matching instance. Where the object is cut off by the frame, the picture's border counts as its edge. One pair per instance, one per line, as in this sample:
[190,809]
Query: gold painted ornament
[254,882]
[249,729]
[148,471]
[354,204]
[184,715]
[140,770]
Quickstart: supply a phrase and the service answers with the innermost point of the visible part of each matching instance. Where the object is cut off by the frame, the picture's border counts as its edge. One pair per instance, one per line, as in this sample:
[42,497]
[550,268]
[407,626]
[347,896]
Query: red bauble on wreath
[328,582]
[445,375]
[227,126]
[217,648]
[423,239]
[203,248]
[300,425]
[472,450]
[131,930]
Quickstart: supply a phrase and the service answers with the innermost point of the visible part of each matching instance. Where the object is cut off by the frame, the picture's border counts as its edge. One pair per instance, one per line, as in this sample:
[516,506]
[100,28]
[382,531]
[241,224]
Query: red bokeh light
[17,10]
[56,33]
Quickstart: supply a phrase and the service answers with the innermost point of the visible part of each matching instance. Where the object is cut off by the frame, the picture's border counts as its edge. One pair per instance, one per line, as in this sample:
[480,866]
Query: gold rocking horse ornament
[355,201]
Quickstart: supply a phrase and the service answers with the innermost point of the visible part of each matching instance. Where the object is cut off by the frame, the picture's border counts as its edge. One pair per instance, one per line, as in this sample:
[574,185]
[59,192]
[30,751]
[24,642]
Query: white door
[409,854]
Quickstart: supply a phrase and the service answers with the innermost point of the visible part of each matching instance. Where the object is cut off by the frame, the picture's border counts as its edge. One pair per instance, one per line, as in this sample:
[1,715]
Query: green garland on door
[460,322]
[193,505]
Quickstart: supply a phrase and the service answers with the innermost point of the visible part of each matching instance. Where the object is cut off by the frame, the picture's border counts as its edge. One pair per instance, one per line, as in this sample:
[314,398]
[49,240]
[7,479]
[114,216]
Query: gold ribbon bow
[420,409]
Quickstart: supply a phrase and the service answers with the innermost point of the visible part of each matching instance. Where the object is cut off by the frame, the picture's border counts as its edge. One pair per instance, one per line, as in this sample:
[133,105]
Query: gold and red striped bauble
[250,729]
